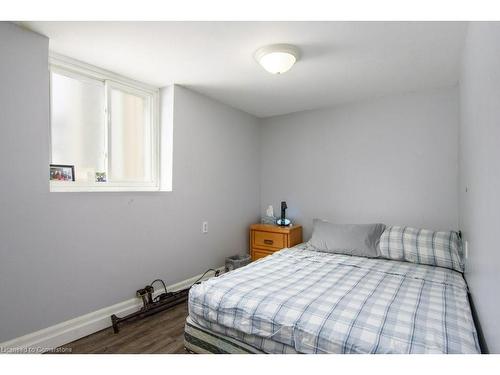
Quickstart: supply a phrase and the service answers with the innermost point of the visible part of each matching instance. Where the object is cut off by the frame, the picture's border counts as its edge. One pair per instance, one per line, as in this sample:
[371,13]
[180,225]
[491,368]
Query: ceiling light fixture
[277,58]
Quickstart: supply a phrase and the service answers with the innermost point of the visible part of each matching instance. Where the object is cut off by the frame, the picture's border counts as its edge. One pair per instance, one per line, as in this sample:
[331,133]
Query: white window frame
[79,70]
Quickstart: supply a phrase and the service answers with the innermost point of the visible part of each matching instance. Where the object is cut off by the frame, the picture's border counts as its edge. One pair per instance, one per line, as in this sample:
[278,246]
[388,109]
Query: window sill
[74,187]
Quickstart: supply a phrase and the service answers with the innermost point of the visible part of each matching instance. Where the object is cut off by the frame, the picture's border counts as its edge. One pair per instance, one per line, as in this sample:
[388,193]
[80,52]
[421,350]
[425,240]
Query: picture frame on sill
[100,177]
[61,172]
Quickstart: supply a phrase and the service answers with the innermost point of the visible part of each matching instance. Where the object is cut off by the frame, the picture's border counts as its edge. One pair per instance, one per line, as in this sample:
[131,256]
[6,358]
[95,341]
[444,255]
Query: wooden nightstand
[265,239]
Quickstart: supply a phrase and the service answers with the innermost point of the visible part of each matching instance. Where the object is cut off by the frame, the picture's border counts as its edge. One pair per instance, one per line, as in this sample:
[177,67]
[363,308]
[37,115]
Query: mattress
[304,301]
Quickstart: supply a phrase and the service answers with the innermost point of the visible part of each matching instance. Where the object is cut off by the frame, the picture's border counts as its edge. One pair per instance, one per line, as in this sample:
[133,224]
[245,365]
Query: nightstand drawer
[269,240]
[266,239]
[259,253]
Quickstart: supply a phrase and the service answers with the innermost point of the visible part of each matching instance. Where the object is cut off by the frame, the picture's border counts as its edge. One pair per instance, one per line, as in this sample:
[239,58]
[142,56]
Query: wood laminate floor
[160,333]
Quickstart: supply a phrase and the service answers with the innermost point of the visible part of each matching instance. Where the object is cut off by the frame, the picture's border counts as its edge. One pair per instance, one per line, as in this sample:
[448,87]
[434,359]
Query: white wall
[390,160]
[66,254]
[480,173]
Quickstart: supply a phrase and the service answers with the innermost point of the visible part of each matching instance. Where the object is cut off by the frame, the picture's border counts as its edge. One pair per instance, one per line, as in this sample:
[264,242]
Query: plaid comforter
[327,303]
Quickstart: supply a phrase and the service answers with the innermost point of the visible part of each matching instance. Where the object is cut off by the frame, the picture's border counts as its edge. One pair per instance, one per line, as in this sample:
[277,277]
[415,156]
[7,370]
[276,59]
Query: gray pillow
[351,239]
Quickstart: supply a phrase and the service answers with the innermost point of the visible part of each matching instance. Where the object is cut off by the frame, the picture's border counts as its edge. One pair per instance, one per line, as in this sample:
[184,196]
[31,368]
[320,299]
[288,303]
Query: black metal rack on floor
[151,305]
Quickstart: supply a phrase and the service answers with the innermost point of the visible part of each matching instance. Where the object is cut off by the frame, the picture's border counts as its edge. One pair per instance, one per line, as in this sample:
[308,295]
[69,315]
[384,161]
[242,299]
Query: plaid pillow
[422,246]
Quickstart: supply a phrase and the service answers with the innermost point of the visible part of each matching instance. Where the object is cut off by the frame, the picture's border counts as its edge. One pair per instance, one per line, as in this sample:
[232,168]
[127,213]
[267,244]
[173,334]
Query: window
[104,125]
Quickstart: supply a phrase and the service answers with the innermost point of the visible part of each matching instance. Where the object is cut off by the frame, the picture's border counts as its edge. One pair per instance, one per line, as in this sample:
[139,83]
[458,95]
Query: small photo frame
[59,172]
[100,177]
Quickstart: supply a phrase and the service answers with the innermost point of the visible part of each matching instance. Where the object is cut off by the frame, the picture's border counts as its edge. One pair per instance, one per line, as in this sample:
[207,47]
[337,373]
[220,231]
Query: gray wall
[66,254]
[390,160]
[480,173]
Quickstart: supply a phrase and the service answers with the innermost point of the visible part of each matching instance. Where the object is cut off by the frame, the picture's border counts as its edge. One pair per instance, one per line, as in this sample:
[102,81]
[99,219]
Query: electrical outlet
[204,227]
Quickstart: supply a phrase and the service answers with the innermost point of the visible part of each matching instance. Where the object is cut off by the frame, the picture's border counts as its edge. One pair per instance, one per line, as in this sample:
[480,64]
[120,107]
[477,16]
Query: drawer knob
[268,242]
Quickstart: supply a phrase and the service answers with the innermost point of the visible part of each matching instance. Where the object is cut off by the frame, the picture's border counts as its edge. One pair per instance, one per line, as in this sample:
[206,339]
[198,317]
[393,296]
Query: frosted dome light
[277,58]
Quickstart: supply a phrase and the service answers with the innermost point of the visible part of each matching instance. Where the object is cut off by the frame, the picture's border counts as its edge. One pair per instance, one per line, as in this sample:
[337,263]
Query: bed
[300,300]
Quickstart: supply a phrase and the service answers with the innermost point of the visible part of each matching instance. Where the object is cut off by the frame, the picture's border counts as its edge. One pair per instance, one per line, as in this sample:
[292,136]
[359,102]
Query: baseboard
[84,325]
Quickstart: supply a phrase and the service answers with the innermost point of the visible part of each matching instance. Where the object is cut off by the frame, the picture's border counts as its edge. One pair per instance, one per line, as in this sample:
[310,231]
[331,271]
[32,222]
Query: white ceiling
[340,62]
